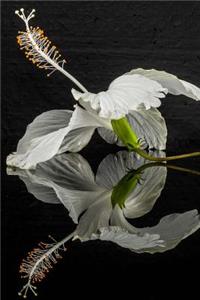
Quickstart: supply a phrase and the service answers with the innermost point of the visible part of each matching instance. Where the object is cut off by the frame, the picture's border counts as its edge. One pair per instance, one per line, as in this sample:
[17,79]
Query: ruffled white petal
[174,228]
[174,85]
[190,90]
[134,242]
[126,93]
[149,126]
[54,132]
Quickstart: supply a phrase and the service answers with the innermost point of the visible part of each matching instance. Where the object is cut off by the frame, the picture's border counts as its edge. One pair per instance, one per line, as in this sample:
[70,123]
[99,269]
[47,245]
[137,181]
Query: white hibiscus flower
[125,114]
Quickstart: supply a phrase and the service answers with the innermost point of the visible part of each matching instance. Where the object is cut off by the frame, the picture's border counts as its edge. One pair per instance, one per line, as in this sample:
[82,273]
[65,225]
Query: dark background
[101,40]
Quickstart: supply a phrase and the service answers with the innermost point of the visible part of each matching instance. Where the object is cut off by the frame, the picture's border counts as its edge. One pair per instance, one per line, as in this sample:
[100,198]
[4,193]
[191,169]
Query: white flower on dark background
[125,114]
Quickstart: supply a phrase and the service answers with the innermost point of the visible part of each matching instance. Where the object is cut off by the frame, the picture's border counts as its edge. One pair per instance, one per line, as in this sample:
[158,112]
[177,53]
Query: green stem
[194,172]
[126,134]
[167,158]
[162,164]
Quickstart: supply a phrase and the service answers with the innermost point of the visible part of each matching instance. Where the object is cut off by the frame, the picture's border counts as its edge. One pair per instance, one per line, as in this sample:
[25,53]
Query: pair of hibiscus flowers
[125,114]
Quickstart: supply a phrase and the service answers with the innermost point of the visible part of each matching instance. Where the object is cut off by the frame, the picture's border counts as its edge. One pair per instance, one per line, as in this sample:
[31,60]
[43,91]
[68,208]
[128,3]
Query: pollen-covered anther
[38,49]
[37,46]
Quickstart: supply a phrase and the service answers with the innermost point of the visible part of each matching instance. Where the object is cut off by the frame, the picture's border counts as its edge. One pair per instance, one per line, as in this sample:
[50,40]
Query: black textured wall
[102,40]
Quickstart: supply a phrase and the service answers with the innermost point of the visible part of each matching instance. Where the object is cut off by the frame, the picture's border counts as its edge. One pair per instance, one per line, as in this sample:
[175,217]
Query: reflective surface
[89,198]
[125,186]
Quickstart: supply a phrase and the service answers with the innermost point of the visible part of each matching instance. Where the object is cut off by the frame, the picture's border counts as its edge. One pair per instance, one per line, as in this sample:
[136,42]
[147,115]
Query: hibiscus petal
[66,179]
[109,136]
[44,124]
[42,139]
[123,238]
[127,92]
[149,126]
[39,150]
[174,228]
[76,202]
[67,170]
[115,166]
[35,186]
[142,199]
[174,85]
[51,133]
[97,216]
[82,126]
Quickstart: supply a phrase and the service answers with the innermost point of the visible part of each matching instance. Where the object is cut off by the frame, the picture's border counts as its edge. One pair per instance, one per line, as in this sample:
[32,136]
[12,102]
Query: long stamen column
[39,261]
[38,49]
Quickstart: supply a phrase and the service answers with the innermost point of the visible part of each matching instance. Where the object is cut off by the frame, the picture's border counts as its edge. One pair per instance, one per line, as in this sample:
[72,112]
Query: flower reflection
[100,212]
[125,186]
